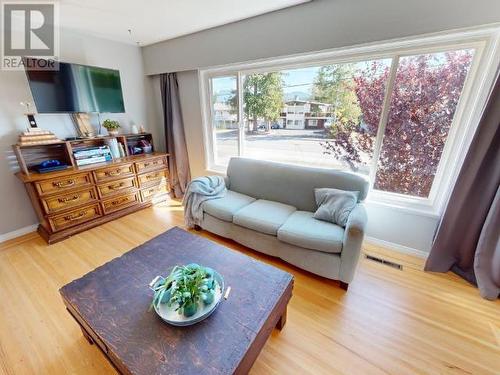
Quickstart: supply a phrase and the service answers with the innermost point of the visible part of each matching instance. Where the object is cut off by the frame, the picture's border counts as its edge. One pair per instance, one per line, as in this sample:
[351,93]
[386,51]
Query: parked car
[275,126]
[261,127]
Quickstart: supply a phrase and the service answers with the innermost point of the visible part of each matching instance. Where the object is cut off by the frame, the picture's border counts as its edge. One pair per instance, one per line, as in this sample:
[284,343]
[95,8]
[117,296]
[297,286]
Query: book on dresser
[86,195]
[92,155]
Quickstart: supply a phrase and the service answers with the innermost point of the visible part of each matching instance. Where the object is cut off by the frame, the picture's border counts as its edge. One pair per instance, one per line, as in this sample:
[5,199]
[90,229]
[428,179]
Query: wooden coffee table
[111,306]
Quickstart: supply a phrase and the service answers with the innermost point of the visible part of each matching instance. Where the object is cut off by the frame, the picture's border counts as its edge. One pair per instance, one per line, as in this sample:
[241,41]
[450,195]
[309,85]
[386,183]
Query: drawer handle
[69,199]
[75,217]
[116,172]
[155,162]
[116,186]
[120,201]
[150,176]
[61,184]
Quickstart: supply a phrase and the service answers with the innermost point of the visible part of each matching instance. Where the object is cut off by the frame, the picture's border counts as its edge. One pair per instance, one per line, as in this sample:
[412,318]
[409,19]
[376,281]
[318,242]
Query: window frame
[486,44]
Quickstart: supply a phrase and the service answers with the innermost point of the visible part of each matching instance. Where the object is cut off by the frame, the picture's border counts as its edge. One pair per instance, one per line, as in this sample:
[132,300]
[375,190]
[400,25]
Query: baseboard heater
[383,261]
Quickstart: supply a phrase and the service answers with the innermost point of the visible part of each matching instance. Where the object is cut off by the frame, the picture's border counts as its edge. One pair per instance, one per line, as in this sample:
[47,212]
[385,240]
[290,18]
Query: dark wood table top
[111,304]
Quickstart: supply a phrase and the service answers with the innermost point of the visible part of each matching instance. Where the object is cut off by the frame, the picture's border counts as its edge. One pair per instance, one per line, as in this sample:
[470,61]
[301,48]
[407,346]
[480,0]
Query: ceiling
[151,21]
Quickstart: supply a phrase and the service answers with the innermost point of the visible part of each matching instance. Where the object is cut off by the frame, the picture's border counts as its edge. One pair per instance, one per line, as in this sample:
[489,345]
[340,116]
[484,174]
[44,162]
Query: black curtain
[467,240]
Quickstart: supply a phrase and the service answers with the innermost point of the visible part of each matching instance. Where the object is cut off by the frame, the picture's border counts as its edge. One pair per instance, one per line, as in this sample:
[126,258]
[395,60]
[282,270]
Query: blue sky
[299,79]
[294,80]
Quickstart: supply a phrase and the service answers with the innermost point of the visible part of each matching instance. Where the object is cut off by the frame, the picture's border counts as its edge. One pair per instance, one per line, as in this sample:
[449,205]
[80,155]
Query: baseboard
[397,247]
[17,233]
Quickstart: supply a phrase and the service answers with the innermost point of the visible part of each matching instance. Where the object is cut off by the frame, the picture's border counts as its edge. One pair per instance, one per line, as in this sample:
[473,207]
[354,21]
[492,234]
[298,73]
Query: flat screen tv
[76,88]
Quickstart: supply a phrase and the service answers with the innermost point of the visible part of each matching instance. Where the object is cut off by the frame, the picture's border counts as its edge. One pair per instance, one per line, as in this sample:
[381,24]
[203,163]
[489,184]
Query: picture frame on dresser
[78,198]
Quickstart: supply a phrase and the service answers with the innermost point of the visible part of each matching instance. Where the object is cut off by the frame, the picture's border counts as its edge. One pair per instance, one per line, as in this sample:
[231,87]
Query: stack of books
[37,137]
[91,155]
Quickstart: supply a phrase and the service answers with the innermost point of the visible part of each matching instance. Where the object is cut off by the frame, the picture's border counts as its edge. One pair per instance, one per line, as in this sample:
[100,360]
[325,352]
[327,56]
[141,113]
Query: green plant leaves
[185,287]
[110,124]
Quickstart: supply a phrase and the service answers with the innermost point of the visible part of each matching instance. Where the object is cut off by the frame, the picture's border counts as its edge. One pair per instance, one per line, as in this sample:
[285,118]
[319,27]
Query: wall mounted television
[75,88]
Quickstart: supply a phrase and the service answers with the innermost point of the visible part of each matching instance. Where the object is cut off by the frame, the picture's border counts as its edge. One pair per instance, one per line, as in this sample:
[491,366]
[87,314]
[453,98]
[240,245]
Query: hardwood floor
[389,322]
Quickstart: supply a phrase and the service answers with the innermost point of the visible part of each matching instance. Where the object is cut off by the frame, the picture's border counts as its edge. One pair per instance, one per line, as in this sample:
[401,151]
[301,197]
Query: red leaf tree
[426,92]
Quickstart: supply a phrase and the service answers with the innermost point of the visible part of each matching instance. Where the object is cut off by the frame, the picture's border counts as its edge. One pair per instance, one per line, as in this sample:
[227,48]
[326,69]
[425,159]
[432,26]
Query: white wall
[16,211]
[155,111]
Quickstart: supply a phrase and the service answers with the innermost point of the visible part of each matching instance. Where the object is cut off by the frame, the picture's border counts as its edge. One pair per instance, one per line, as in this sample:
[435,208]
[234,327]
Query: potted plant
[185,287]
[111,126]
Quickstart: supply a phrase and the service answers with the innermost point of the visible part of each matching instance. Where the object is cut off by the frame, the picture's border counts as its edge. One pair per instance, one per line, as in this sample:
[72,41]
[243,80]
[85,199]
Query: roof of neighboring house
[307,102]
[308,117]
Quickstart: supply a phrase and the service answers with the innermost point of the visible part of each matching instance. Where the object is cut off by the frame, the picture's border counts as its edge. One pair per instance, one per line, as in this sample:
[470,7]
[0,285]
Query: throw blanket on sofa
[199,190]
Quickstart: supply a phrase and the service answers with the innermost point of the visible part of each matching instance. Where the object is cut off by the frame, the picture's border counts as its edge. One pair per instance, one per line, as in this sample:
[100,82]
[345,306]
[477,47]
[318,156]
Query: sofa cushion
[224,208]
[302,229]
[263,216]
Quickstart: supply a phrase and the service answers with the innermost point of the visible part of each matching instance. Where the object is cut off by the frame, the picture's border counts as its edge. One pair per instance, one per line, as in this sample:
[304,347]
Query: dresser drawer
[153,178]
[120,202]
[67,200]
[110,173]
[148,194]
[150,164]
[75,217]
[63,183]
[115,187]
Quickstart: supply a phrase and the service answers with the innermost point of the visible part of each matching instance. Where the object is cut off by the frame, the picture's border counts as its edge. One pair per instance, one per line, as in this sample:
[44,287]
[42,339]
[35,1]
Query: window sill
[429,212]
[215,169]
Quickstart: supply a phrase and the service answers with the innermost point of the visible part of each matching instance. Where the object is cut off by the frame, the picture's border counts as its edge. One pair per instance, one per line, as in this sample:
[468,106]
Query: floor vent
[383,261]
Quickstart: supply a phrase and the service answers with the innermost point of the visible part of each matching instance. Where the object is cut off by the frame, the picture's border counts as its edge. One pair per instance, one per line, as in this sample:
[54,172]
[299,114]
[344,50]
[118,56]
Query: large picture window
[387,118]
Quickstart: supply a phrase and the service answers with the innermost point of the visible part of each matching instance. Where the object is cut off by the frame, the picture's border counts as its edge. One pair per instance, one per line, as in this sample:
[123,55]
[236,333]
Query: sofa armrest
[353,239]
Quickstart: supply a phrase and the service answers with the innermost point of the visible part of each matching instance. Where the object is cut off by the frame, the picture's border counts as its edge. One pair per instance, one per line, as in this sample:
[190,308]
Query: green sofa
[269,207]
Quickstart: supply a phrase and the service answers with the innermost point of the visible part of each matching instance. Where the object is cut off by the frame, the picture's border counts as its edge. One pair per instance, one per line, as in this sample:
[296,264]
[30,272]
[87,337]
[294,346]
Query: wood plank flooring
[389,322]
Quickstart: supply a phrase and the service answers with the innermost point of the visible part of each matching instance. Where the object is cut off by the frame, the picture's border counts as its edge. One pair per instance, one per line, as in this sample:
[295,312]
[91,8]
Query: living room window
[388,115]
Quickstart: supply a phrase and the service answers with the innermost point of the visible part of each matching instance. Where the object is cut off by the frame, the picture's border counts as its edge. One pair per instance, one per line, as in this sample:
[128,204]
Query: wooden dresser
[70,201]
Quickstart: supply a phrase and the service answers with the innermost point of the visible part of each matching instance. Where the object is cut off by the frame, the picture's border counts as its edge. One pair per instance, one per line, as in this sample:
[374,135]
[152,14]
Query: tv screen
[76,88]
